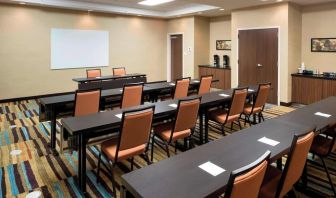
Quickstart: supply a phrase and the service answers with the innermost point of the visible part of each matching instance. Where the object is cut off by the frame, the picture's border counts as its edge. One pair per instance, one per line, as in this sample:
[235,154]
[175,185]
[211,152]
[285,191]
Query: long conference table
[180,175]
[53,107]
[95,125]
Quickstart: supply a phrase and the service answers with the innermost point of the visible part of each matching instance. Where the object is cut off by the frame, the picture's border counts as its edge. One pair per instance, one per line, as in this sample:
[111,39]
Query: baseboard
[286,104]
[34,97]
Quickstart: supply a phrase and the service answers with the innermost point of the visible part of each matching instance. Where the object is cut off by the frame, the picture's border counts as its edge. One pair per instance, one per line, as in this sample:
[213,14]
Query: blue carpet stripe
[13,186]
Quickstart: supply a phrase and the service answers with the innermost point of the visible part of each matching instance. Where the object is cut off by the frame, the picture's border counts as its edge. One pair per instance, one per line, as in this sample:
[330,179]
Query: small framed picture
[223,44]
[323,44]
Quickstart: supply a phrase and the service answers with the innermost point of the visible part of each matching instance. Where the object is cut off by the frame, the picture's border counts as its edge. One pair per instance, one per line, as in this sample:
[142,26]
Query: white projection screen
[79,48]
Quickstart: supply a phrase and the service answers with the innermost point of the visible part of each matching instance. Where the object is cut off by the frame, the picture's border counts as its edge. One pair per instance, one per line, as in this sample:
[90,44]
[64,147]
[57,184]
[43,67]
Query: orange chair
[181,88]
[246,181]
[86,102]
[119,71]
[324,146]
[132,140]
[258,105]
[93,73]
[181,128]
[132,95]
[205,85]
[233,114]
[278,184]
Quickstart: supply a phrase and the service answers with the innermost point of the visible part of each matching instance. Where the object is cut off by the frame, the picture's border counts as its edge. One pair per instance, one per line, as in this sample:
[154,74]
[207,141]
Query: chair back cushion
[187,115]
[87,102]
[119,71]
[262,95]
[238,102]
[205,85]
[136,129]
[296,163]
[132,96]
[93,73]
[248,184]
[181,89]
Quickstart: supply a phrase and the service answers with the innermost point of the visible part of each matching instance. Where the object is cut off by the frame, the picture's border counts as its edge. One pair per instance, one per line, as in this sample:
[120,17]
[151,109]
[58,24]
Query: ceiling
[176,8]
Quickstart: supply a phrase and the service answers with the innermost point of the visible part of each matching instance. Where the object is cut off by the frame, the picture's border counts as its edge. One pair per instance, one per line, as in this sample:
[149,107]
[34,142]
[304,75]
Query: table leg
[52,143]
[279,163]
[82,163]
[200,127]
[206,131]
[122,192]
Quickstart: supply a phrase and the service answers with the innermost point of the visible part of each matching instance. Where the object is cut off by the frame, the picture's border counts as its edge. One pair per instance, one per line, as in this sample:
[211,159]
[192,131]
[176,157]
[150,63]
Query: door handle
[259,65]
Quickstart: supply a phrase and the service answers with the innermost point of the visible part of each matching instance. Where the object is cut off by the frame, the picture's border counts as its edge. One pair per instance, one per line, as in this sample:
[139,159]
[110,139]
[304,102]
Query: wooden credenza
[223,75]
[307,89]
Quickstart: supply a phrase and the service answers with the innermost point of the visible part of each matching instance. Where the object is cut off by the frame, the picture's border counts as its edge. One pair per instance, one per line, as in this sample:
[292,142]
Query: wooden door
[258,59]
[176,56]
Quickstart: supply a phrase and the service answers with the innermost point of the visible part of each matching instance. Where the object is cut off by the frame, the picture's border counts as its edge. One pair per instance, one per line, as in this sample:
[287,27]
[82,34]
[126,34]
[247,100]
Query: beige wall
[294,44]
[263,17]
[220,29]
[202,35]
[184,26]
[139,44]
[318,21]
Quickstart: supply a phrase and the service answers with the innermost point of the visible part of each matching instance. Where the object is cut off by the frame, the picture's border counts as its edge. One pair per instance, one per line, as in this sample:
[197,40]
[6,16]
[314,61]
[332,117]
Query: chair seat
[248,109]
[270,183]
[219,115]
[164,131]
[109,147]
[321,145]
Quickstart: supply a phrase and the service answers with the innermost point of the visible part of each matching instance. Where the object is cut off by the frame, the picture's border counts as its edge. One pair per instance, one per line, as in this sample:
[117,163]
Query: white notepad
[120,90]
[15,152]
[250,90]
[211,168]
[224,95]
[98,77]
[268,141]
[173,105]
[323,114]
[173,84]
[118,115]
[197,81]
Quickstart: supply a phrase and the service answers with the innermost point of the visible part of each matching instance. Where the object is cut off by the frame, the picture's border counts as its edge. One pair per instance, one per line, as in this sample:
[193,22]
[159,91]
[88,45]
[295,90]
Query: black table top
[180,176]
[108,119]
[110,77]
[66,98]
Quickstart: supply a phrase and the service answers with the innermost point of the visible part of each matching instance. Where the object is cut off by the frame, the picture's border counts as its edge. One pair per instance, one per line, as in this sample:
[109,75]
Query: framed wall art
[323,44]
[223,44]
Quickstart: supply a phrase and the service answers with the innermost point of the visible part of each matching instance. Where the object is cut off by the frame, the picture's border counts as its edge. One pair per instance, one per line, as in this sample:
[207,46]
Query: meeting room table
[108,77]
[53,107]
[181,175]
[91,126]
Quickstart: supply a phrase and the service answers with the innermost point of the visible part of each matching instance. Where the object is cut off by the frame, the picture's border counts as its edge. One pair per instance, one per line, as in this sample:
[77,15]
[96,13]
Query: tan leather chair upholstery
[246,181]
[181,88]
[132,95]
[224,116]
[132,140]
[205,85]
[277,183]
[182,127]
[93,73]
[120,71]
[258,106]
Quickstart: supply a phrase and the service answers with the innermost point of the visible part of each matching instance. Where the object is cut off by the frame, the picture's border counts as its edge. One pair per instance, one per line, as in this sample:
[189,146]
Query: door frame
[279,53]
[169,54]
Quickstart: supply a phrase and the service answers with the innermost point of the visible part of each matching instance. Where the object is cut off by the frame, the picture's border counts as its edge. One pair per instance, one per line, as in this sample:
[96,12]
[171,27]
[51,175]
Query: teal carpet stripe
[99,187]
[25,175]
[13,186]
[74,187]
[58,189]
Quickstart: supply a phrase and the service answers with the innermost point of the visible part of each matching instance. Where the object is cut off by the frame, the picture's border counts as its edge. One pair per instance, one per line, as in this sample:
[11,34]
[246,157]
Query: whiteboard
[79,48]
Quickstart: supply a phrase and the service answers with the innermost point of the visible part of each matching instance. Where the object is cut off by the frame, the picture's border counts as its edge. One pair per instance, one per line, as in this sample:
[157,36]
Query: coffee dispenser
[226,61]
[216,60]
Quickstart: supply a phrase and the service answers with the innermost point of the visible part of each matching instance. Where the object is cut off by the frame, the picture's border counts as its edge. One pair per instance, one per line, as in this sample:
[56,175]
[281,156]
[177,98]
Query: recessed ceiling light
[90,10]
[278,0]
[222,9]
[154,2]
[22,3]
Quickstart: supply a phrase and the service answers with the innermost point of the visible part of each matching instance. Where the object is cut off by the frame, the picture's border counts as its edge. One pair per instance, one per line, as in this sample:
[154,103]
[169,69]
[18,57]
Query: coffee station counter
[215,67]
[222,74]
[310,88]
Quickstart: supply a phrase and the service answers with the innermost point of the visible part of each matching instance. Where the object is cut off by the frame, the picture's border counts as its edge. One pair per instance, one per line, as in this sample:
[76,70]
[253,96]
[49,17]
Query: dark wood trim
[34,97]
[286,104]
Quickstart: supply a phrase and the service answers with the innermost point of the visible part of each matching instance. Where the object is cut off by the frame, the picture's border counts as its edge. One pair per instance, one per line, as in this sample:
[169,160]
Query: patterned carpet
[36,169]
